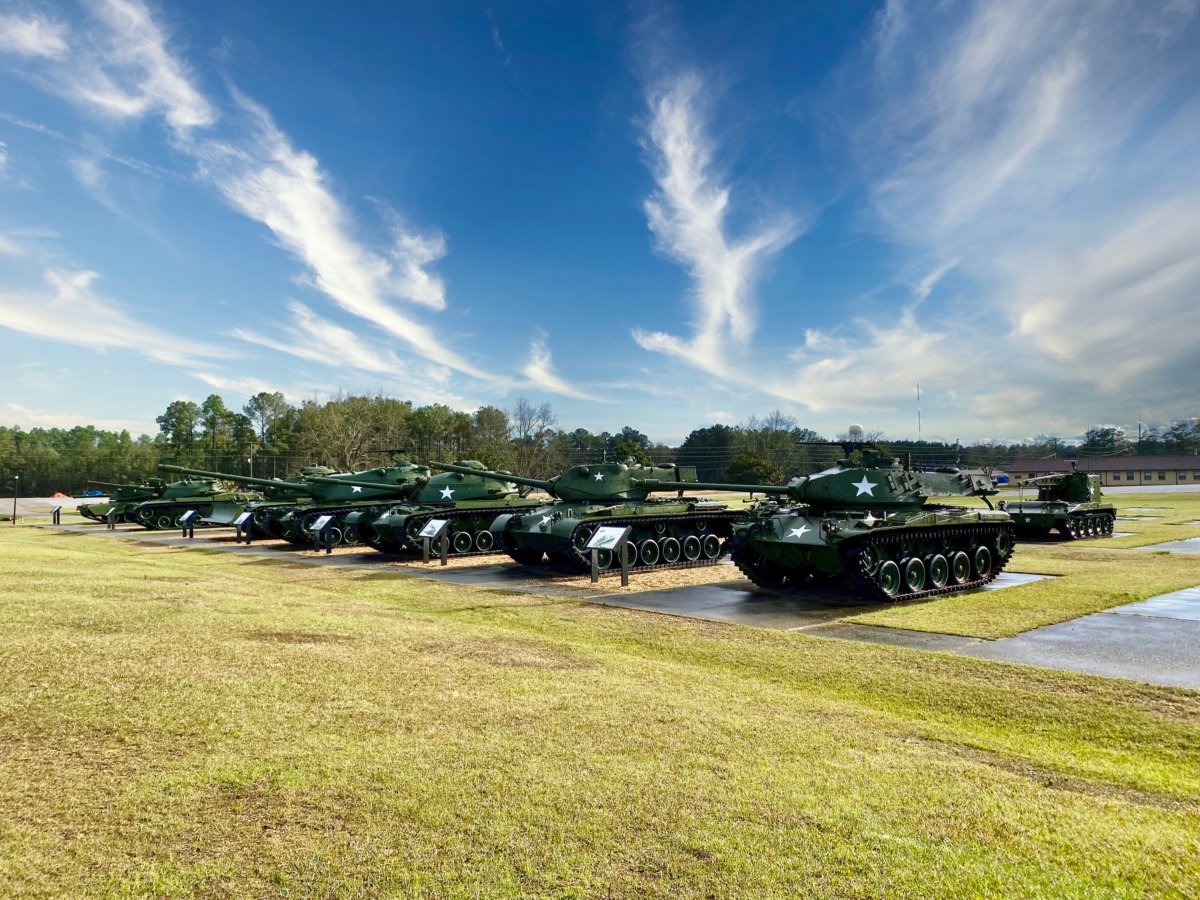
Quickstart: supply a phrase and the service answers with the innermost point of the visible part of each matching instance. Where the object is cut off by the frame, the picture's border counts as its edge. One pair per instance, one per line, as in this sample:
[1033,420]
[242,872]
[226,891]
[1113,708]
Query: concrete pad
[1187,545]
[1142,648]
[1183,604]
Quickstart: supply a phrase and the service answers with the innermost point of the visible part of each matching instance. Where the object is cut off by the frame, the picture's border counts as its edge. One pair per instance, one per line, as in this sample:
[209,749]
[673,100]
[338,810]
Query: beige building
[1117,471]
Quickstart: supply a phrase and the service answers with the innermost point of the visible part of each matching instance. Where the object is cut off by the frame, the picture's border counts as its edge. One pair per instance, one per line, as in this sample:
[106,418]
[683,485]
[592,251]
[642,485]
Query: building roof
[1107,464]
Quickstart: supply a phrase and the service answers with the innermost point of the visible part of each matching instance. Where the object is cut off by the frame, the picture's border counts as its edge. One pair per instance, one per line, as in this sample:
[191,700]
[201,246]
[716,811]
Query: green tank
[373,491]
[121,498]
[667,533]
[867,521]
[1067,502]
[178,497]
[470,498]
[279,496]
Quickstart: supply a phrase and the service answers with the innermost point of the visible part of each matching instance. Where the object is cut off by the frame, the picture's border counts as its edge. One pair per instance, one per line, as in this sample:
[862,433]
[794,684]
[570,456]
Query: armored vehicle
[866,520]
[470,498]
[670,532]
[121,499]
[199,494]
[280,495]
[1068,503]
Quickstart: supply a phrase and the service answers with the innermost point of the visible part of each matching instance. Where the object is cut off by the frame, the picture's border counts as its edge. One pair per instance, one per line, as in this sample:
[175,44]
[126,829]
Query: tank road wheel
[889,577]
[484,541]
[981,562]
[163,522]
[938,568]
[527,557]
[960,567]
[1094,526]
[631,548]
[604,559]
[460,542]
[691,548]
[648,550]
[670,550]
[710,545]
[914,575]
[350,536]
[1109,522]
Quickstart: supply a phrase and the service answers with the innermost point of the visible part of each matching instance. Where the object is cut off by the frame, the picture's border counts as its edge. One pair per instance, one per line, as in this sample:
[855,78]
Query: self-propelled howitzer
[469,498]
[121,498]
[667,532]
[868,520]
[1068,502]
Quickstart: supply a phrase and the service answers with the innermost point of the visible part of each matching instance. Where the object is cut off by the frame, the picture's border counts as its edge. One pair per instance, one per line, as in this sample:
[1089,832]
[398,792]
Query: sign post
[110,519]
[610,539]
[188,522]
[436,530]
[242,527]
[323,534]
[55,515]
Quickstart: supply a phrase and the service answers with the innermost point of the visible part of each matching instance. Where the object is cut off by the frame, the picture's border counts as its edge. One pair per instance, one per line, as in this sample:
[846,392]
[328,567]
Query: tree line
[272,438]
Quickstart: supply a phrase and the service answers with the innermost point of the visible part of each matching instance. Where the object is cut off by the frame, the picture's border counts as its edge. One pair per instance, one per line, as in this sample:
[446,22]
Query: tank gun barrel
[377,485]
[226,476]
[655,484]
[499,476]
[129,487]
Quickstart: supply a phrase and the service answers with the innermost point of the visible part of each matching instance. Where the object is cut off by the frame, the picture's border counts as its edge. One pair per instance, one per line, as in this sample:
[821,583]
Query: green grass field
[187,723]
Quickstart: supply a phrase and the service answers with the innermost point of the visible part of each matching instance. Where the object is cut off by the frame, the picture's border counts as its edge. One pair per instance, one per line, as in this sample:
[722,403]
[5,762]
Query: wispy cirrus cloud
[540,372]
[72,311]
[28,417]
[32,36]
[688,215]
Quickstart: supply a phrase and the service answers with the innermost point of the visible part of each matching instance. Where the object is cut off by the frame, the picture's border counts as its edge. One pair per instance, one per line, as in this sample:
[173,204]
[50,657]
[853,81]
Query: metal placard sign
[187,518]
[433,528]
[607,538]
[321,524]
[243,519]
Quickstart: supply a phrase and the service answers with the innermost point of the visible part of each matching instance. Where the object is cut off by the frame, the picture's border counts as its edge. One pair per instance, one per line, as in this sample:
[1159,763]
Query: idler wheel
[484,541]
[960,567]
[889,577]
[1004,544]
[648,550]
[710,545]
[691,548]
[461,542]
[938,568]
[871,558]
[982,562]
[670,549]
[914,575]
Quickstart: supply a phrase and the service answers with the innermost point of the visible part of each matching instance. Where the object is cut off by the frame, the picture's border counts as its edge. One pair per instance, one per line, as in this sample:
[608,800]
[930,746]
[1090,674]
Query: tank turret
[1067,502]
[667,532]
[867,521]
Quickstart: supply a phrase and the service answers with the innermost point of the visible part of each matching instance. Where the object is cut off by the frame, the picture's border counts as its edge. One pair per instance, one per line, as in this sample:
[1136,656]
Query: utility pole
[16,492]
[918,411]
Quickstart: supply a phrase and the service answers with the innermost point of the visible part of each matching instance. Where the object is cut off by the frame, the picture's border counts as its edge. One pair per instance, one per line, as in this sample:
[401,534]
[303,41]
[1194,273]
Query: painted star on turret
[355,489]
[546,520]
[799,532]
[599,476]
[864,487]
[447,493]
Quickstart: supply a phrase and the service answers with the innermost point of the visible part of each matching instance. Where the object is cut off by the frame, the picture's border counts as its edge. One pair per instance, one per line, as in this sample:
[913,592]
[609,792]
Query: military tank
[867,521]
[373,491]
[279,496]
[470,498]
[1067,502]
[121,498]
[178,497]
[667,533]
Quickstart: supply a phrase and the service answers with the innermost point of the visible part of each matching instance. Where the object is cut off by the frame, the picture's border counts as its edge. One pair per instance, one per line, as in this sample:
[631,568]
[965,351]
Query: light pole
[250,463]
[16,491]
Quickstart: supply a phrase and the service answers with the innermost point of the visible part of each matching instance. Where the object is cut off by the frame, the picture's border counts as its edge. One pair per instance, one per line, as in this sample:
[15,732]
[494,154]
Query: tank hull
[161,514]
[1071,521]
[666,533]
[903,555]
[397,531]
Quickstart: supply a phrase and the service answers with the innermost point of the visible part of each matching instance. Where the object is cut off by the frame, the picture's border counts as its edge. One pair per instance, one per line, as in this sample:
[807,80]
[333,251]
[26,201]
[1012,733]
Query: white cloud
[688,215]
[74,313]
[33,37]
[26,417]
[540,372]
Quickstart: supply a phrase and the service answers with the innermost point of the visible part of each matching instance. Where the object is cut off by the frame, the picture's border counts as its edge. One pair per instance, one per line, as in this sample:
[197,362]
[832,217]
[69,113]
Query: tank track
[165,517]
[858,569]
[581,560]
[417,521]
[1088,525]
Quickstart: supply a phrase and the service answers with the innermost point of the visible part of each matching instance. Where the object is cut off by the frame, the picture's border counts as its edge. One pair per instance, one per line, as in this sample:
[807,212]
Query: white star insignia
[355,489]
[869,520]
[799,532]
[864,487]
[546,520]
[447,493]
[599,476]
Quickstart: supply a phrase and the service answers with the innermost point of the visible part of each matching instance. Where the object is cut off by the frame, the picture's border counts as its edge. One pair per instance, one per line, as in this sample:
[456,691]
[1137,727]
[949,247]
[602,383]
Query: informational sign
[188,518]
[243,519]
[434,527]
[322,523]
[607,538]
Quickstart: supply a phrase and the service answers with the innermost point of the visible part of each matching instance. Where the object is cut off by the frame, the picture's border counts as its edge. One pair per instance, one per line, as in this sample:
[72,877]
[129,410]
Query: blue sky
[649,214]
